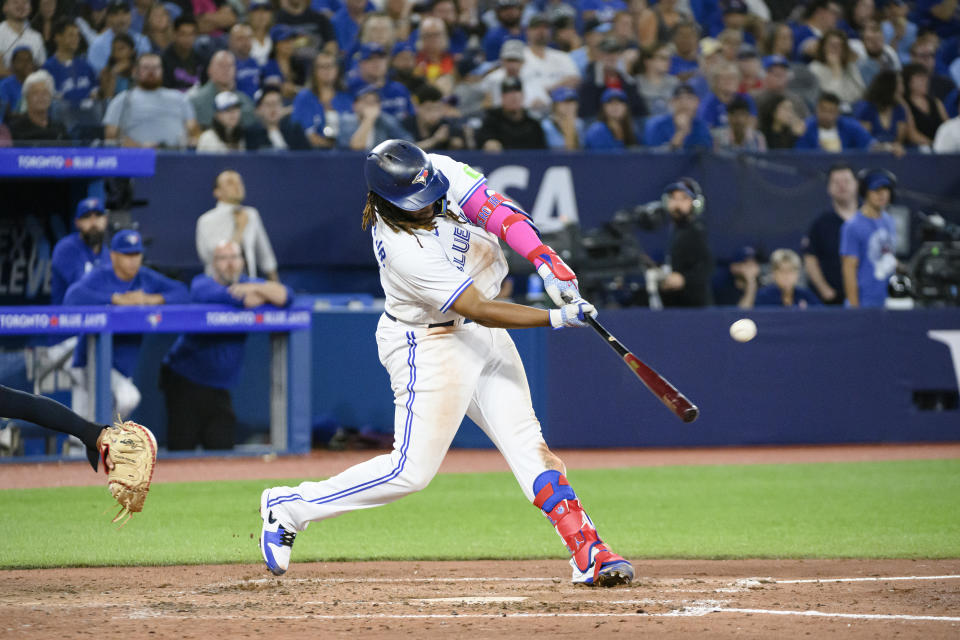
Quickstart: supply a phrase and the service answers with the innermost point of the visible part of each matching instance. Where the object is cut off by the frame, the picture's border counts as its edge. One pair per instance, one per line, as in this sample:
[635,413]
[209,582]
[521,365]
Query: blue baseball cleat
[276,542]
[606,569]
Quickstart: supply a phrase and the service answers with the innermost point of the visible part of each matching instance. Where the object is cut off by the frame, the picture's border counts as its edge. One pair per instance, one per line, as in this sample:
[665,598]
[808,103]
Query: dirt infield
[427,600]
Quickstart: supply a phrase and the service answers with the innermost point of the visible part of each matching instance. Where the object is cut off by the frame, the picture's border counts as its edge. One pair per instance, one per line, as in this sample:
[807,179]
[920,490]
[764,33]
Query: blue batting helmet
[402,174]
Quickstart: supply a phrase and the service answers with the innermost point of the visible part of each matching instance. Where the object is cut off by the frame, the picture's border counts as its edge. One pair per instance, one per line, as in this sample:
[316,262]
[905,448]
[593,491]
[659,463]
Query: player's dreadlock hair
[395,217]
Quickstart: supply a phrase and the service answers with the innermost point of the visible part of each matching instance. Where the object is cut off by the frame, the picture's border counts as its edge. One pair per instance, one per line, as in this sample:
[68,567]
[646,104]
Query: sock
[50,414]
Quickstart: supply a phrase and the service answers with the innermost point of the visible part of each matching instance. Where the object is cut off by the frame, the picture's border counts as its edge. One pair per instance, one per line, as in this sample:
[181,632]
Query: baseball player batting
[435,228]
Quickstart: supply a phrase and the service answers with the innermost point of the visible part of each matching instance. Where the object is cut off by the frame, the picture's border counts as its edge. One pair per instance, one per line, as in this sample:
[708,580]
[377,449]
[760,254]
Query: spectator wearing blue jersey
[828,131]
[784,292]
[614,129]
[372,71]
[939,16]
[867,243]
[724,81]
[79,252]
[602,10]
[283,69]
[509,27]
[819,16]
[124,281]
[118,21]
[319,108]
[346,23]
[11,87]
[563,128]
[239,42]
[181,64]
[883,114]
[73,77]
[898,30]
[200,369]
[681,128]
[686,51]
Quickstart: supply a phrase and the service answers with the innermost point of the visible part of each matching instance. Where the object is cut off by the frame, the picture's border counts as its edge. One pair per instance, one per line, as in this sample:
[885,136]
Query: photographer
[687,281]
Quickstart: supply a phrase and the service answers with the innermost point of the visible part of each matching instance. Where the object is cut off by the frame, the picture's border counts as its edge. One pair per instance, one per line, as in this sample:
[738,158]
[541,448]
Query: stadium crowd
[221,75]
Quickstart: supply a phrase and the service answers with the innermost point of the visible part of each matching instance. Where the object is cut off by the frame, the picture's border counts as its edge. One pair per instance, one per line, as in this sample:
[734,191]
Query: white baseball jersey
[422,274]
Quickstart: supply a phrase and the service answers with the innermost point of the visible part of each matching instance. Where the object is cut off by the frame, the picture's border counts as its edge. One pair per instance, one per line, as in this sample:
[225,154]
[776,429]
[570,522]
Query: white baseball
[743,330]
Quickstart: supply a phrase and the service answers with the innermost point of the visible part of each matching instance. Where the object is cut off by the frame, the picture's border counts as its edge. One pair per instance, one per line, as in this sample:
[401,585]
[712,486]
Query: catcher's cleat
[276,542]
[606,569]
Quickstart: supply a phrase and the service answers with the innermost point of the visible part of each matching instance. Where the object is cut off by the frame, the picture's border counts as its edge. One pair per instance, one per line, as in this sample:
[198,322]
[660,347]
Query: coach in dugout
[122,282]
[200,369]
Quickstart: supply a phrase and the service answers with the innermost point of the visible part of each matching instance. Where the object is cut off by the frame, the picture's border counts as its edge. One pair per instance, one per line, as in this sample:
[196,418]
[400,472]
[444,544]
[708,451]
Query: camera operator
[689,266]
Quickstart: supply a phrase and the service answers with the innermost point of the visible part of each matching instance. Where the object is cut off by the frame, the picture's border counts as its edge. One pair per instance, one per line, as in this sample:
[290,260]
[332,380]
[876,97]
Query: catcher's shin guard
[592,561]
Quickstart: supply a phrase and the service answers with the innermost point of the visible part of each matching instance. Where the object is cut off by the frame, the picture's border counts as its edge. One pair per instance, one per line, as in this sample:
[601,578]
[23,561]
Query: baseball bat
[657,384]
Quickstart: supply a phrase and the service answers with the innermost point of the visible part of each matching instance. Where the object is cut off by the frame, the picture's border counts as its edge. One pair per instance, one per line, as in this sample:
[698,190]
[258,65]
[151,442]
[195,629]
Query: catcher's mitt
[133,450]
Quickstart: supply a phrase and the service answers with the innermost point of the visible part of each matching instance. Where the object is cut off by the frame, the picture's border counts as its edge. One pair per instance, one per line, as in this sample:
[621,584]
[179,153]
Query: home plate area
[488,599]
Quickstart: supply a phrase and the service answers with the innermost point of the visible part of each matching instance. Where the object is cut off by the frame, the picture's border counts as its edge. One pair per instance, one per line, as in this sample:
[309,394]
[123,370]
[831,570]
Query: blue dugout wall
[809,377]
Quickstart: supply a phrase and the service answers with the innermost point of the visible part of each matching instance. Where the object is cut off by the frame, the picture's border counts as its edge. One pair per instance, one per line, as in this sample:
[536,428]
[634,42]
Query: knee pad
[549,488]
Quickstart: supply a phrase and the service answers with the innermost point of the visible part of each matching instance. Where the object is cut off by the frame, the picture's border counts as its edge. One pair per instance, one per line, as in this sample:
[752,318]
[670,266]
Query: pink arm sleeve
[486,209]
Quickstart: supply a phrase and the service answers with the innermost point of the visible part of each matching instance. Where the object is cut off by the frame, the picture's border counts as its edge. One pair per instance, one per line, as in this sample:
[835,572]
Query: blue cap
[879,181]
[744,253]
[360,89]
[87,205]
[613,94]
[282,32]
[97,5]
[370,49]
[563,94]
[775,61]
[679,185]
[402,46]
[127,241]
[20,48]
[260,4]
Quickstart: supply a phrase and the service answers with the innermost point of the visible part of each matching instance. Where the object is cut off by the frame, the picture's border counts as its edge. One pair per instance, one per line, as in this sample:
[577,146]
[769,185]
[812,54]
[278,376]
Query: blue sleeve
[809,138]
[207,290]
[655,135]
[768,296]
[595,138]
[849,245]
[89,289]
[308,112]
[699,136]
[751,102]
[62,271]
[801,293]
[173,292]
[860,137]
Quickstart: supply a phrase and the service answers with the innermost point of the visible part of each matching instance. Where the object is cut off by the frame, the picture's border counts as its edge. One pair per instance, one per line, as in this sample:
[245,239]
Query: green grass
[877,509]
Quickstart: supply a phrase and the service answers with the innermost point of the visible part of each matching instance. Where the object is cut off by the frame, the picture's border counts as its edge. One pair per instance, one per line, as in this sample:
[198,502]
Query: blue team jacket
[98,285]
[212,360]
